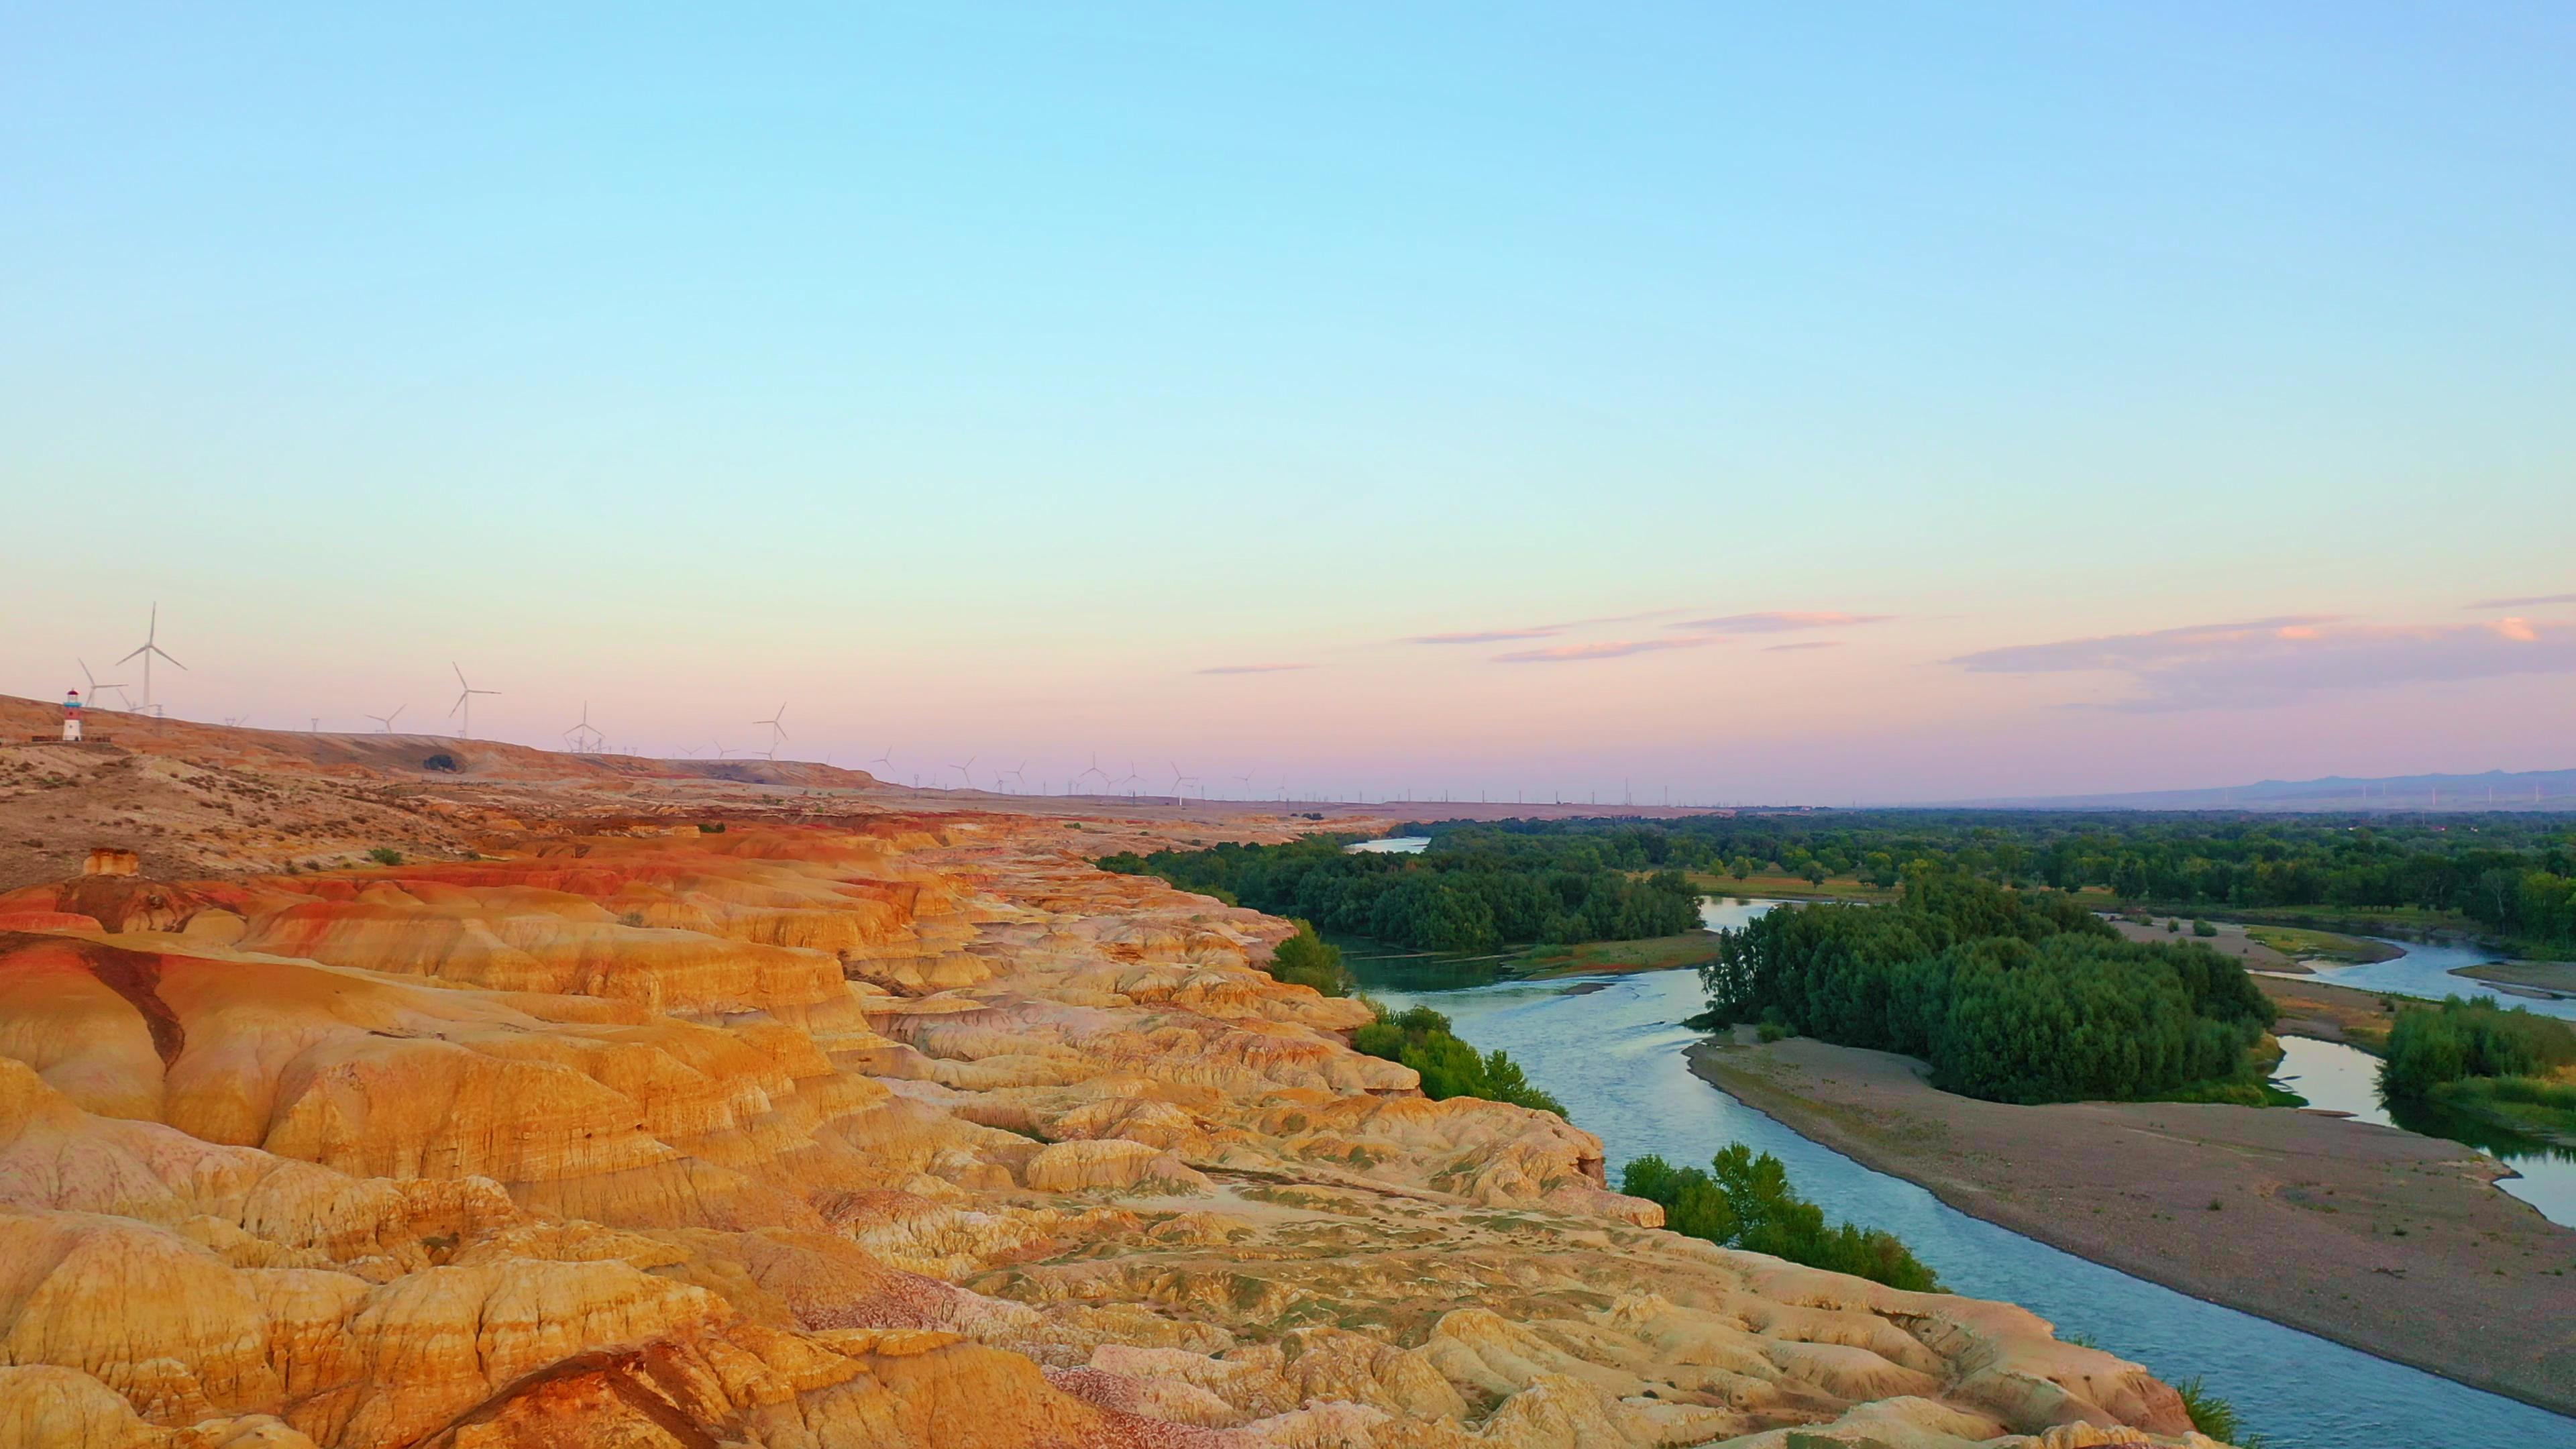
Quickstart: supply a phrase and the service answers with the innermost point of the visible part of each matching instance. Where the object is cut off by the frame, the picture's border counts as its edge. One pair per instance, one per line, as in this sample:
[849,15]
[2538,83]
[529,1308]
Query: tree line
[1453,897]
[2514,874]
[2012,996]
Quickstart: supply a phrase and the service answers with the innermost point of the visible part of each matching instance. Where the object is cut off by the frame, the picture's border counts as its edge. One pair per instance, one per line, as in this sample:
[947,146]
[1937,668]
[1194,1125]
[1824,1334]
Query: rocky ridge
[886,1129]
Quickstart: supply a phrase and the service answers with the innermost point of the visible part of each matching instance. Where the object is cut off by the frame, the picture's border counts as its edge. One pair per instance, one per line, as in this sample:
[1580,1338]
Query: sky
[1690,402]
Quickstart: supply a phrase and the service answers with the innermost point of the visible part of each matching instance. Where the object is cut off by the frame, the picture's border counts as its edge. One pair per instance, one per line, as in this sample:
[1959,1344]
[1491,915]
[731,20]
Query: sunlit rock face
[838,1136]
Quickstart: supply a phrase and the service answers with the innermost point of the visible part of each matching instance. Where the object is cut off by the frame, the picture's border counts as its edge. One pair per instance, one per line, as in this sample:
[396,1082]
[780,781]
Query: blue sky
[978,377]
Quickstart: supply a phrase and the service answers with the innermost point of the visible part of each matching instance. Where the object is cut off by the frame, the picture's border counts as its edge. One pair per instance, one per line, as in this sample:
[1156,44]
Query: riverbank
[2555,977]
[2383,1240]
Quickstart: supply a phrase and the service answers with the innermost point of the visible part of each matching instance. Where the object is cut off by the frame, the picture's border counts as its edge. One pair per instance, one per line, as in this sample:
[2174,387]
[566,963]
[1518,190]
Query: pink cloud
[2534,601]
[1780,621]
[1810,644]
[1488,636]
[1254,668]
[2263,662]
[1607,649]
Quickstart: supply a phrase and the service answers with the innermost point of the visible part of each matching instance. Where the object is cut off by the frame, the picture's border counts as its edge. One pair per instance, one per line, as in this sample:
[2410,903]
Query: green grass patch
[2307,944]
[1655,953]
[2540,1106]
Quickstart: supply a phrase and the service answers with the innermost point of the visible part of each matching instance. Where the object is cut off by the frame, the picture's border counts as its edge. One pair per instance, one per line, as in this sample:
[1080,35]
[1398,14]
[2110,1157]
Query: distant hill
[2545,790]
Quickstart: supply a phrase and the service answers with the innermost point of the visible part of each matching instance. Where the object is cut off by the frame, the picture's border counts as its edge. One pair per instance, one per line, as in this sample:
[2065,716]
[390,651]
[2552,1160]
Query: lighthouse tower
[72,718]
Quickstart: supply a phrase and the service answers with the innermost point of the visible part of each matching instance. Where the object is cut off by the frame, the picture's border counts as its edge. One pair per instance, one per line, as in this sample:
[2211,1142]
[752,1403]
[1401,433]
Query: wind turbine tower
[464,706]
[150,647]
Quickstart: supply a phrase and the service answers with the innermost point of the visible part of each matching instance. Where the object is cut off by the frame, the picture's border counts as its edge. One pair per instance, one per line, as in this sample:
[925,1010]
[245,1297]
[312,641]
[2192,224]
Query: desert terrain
[654,1104]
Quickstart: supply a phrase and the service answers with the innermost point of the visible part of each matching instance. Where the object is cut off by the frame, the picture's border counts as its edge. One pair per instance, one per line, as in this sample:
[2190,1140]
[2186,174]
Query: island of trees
[2013,996]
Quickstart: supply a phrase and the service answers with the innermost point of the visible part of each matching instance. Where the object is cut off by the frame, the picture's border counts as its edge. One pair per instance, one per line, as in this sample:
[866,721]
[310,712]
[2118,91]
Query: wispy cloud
[1607,649]
[2533,602]
[1810,644]
[2272,661]
[1779,621]
[1490,636]
[1534,631]
[1254,668]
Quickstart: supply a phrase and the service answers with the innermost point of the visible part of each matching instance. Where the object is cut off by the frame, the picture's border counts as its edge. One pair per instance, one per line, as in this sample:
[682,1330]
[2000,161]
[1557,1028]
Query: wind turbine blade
[165,654]
[460,674]
[130,658]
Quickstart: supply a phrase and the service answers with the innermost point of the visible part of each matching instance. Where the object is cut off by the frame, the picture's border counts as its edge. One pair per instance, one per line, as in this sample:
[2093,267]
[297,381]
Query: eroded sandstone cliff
[887,1131]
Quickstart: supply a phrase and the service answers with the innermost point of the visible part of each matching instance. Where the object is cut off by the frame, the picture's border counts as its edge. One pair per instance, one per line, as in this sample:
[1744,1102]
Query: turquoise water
[2344,1079]
[1611,1049]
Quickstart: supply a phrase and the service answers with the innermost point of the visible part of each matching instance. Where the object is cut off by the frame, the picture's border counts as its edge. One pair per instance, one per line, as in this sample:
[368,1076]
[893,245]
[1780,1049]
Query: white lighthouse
[72,718]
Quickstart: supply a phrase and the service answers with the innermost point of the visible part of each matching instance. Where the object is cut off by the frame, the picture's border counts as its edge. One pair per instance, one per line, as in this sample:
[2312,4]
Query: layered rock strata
[887,1132]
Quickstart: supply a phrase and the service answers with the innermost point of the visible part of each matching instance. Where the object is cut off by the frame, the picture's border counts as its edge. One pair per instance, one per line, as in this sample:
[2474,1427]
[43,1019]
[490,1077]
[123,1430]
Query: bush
[443,762]
[385,855]
[2203,929]
[2429,1046]
[1306,959]
[1420,1038]
[1745,1201]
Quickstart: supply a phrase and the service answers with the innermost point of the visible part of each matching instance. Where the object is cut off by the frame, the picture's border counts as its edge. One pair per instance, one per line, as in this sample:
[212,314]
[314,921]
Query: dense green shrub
[2432,1045]
[1420,1038]
[1745,1201]
[2013,996]
[1306,959]
[385,855]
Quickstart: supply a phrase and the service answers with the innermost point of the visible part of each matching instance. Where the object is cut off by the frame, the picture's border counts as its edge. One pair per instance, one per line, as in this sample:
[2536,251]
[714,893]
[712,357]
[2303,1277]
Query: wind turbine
[385,722]
[691,751]
[574,737]
[777,731]
[721,752]
[1016,774]
[1244,780]
[1094,769]
[966,771]
[95,686]
[1179,780]
[886,759]
[151,646]
[464,700]
[1132,778]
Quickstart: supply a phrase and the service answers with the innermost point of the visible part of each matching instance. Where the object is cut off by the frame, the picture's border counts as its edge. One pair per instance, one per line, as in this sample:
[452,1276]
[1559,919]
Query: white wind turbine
[1245,781]
[150,647]
[1015,774]
[1132,778]
[1179,780]
[95,688]
[886,759]
[464,705]
[575,737]
[691,751]
[777,730]
[966,771]
[385,722]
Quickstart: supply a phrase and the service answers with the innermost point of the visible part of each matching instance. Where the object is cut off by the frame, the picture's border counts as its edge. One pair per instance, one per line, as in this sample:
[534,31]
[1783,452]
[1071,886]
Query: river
[1610,1048]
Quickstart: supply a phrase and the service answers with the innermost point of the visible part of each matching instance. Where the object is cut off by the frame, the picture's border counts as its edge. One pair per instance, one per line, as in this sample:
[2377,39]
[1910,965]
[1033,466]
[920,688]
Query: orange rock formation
[880,1132]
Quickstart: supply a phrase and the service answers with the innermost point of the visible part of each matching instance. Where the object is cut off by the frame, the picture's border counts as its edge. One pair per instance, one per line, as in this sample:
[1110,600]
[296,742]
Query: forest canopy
[1466,895]
[2513,874]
